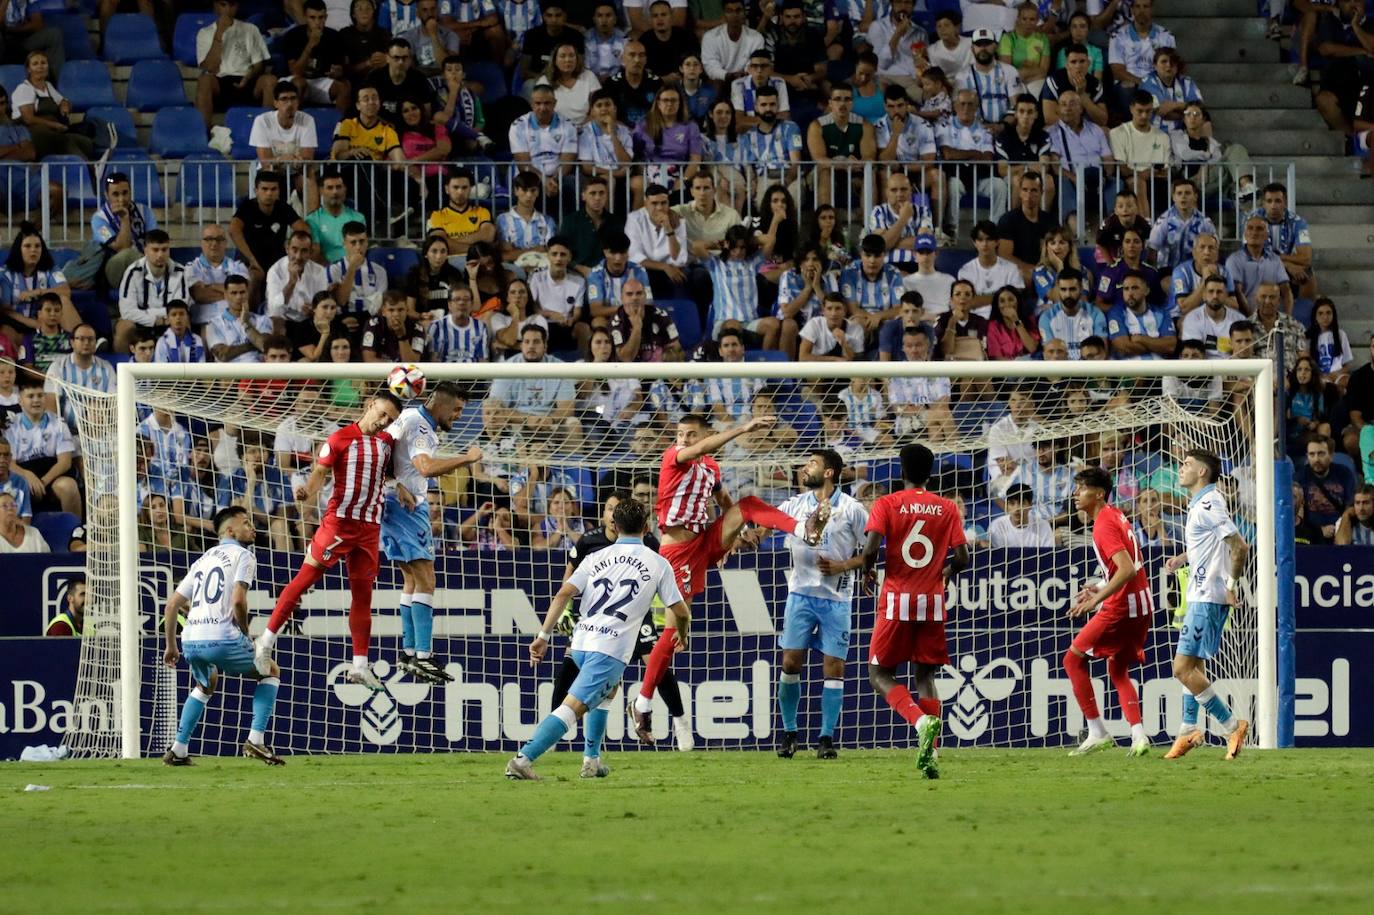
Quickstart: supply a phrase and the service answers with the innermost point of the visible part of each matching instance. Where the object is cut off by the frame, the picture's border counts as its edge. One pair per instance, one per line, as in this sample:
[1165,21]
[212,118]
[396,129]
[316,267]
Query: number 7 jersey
[920,528]
[618,586]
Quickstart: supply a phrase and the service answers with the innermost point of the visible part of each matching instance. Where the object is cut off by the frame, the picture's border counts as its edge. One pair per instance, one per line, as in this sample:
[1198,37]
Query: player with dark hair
[1121,623]
[358,456]
[925,548]
[689,480]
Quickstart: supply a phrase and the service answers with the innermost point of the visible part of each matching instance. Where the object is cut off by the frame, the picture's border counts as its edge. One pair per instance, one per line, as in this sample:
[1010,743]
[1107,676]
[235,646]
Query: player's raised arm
[430,466]
[718,440]
[175,605]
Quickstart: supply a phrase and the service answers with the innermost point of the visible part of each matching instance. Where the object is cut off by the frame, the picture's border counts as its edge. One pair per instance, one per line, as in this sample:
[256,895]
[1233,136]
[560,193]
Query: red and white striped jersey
[920,529]
[1111,535]
[685,491]
[360,464]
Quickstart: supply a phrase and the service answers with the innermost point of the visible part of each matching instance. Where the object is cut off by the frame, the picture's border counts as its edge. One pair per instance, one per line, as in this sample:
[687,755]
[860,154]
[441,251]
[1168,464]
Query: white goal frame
[1262,402]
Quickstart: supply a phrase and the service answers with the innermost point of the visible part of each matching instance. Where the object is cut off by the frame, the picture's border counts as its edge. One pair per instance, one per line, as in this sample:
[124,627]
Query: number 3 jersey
[618,586]
[209,586]
[920,528]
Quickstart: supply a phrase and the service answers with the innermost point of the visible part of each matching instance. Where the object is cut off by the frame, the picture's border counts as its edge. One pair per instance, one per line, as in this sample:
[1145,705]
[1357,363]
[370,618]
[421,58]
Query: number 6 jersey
[920,529]
[618,585]
[209,586]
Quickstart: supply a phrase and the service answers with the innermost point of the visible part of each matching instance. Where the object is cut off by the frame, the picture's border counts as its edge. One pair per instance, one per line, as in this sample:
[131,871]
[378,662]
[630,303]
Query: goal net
[1008,439]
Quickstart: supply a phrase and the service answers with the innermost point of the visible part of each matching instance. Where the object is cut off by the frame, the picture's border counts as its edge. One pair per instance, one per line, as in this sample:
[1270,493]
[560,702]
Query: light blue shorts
[598,676]
[405,532]
[1203,626]
[230,656]
[814,622]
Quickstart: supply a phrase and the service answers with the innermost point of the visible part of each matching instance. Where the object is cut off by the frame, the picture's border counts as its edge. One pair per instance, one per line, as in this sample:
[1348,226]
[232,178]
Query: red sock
[1076,666]
[760,512]
[899,697]
[1119,669]
[360,614]
[929,706]
[657,665]
[291,595]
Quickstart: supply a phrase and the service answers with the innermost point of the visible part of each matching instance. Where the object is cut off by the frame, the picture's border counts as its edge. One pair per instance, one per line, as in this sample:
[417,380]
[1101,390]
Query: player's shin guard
[832,701]
[1119,669]
[550,730]
[290,597]
[190,717]
[658,662]
[264,699]
[360,616]
[595,727]
[789,696]
[407,624]
[422,618]
[1076,666]
[899,697]
[671,692]
[757,511]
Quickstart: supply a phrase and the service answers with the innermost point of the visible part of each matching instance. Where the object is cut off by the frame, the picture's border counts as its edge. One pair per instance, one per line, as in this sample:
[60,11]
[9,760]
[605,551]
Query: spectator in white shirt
[1212,322]
[932,284]
[285,139]
[231,55]
[1143,154]
[148,285]
[725,49]
[292,284]
[951,52]
[966,145]
[559,294]
[237,335]
[1017,529]
[15,535]
[901,47]
[989,271]
[832,336]
[658,243]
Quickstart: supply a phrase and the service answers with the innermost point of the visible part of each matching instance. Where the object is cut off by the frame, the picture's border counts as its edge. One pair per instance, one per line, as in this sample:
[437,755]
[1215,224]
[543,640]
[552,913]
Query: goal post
[742,613]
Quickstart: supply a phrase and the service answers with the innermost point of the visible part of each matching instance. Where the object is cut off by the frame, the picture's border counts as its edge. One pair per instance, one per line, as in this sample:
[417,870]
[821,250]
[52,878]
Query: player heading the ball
[1121,621]
[359,458]
[925,548]
[215,640]
[689,481]
[618,586]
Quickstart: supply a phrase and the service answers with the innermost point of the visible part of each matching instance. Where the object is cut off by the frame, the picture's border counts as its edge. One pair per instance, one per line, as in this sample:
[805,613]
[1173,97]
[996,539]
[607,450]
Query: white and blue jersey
[171,348]
[1184,90]
[1205,531]
[1051,488]
[771,151]
[1288,234]
[790,285]
[884,217]
[209,587]
[405,531]
[1153,322]
[917,138]
[544,144]
[602,55]
[99,376]
[865,410]
[519,232]
[15,282]
[446,341]
[595,145]
[171,446]
[996,89]
[819,608]
[1057,324]
[736,292]
[878,294]
[1172,237]
[603,286]
[519,16]
[734,395]
[369,283]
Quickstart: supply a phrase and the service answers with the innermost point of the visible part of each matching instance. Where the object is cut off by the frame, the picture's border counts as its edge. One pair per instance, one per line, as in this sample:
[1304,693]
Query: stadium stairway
[1248,87]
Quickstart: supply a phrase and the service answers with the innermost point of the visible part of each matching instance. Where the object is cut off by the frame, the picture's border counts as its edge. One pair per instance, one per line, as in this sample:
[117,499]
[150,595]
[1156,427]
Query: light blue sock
[595,726]
[1189,711]
[549,732]
[789,695]
[832,700]
[407,625]
[190,716]
[1215,705]
[264,698]
[422,621]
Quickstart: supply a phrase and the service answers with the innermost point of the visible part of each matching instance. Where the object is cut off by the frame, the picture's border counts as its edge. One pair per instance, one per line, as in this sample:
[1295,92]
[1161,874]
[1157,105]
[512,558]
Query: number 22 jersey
[618,585]
[920,528]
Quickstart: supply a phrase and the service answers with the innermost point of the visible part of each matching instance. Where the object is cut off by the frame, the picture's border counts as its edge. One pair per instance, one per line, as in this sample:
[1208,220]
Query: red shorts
[355,542]
[691,559]
[899,641]
[1109,634]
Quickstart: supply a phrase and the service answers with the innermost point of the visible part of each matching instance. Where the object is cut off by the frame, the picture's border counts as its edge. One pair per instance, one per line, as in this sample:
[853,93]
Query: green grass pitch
[1008,831]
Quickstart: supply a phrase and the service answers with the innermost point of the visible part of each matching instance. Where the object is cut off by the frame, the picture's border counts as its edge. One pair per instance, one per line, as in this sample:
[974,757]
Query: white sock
[566,715]
[643,706]
[1137,732]
[257,737]
[923,717]
[1096,728]
[268,638]
[180,749]
[1206,696]
[360,662]
[422,654]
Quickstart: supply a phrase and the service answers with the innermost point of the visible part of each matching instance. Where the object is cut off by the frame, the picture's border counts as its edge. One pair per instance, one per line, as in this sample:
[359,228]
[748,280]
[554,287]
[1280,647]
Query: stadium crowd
[685,183]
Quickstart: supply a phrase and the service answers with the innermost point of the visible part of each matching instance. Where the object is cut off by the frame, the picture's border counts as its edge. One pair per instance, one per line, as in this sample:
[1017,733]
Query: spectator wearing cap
[931,284]
[1071,319]
[1026,142]
[1075,76]
[1143,153]
[1132,50]
[1017,529]
[900,44]
[997,84]
[1135,328]
[1289,237]
[988,271]
[967,148]
[1254,263]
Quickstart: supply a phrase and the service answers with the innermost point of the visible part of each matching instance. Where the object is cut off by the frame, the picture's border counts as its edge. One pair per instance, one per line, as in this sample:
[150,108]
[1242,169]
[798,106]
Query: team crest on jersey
[381,722]
[967,692]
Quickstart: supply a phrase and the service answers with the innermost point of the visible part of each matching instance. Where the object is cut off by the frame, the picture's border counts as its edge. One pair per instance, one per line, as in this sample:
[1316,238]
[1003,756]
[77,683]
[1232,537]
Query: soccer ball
[406,381]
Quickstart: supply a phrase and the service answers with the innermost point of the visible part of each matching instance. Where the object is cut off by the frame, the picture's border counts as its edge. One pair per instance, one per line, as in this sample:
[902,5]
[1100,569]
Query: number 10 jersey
[618,586]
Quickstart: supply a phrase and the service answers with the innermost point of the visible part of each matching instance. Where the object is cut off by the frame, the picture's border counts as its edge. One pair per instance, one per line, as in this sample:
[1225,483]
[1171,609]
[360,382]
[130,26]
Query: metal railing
[184,195]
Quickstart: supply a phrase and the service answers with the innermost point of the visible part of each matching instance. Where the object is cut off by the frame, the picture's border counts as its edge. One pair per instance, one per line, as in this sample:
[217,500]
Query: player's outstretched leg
[1119,670]
[287,602]
[754,510]
[264,699]
[361,576]
[1076,666]
[549,732]
[595,726]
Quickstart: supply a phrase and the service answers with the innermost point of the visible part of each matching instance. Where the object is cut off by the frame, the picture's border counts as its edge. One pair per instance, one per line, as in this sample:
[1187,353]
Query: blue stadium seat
[326,119]
[12,75]
[131,37]
[396,261]
[765,355]
[949,260]
[493,81]
[19,189]
[1346,461]
[76,40]
[240,124]
[145,180]
[86,84]
[56,528]
[178,132]
[687,319]
[121,119]
[206,181]
[155,84]
[73,173]
[184,36]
